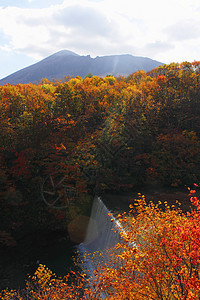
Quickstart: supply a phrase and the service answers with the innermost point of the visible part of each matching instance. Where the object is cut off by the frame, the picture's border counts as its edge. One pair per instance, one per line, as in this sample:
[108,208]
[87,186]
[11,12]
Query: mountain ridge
[66,62]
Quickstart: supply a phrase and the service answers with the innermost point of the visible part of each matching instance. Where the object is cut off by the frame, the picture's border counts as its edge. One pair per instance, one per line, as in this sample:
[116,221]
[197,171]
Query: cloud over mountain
[163,30]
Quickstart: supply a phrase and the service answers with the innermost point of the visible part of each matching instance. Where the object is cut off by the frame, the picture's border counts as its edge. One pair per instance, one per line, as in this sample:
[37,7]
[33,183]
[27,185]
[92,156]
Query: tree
[160,256]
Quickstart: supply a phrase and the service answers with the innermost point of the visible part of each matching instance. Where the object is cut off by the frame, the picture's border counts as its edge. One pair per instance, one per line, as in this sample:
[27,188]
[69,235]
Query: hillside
[63,63]
[64,142]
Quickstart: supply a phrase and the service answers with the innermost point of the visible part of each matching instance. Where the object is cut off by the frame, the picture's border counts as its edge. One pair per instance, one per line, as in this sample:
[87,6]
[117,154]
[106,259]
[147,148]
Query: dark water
[119,202]
[53,249]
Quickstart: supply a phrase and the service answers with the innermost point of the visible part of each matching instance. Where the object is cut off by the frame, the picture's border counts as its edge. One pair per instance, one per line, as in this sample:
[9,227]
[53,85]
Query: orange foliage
[135,112]
[45,285]
[159,259]
[161,256]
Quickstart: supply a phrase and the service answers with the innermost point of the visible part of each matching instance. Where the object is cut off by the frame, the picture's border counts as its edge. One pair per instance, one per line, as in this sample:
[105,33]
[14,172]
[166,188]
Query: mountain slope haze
[65,62]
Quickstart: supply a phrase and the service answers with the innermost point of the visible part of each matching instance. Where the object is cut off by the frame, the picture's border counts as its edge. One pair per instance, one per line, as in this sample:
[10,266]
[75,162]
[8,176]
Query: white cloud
[184,30]
[157,29]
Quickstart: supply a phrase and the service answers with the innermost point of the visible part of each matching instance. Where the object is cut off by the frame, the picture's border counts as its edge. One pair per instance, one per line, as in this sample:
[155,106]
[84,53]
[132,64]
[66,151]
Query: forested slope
[98,134]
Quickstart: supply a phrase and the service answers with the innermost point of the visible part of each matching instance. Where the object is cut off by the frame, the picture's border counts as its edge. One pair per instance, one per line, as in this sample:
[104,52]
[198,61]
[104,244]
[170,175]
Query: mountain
[63,63]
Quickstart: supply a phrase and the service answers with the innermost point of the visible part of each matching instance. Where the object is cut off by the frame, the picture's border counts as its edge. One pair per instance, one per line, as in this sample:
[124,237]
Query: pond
[119,202]
[51,248]
[54,248]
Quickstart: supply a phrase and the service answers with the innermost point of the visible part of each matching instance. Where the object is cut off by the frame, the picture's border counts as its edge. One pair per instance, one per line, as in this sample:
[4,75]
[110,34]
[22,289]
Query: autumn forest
[106,134]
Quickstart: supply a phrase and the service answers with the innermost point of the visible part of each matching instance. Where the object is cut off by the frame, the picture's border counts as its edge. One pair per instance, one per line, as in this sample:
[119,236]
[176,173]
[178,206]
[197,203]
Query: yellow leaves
[118,246]
[43,275]
[62,146]
[80,114]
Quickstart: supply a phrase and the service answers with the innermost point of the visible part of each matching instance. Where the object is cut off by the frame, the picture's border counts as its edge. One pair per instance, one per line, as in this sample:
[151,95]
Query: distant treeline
[100,133]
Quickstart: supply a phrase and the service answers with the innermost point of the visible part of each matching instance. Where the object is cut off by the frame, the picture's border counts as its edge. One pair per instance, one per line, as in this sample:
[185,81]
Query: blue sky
[30,30]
